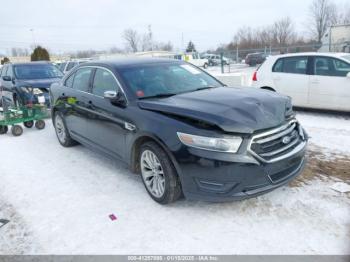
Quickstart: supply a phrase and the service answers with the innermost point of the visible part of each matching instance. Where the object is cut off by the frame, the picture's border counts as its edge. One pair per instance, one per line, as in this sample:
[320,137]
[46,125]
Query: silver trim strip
[92,66]
[297,149]
[278,135]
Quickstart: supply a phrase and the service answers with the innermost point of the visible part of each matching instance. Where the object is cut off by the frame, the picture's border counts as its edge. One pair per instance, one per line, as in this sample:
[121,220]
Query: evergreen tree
[5,60]
[190,47]
[40,54]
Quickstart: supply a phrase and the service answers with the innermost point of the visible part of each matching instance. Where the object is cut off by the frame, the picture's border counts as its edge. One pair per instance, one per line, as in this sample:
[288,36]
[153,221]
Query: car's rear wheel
[158,174]
[62,132]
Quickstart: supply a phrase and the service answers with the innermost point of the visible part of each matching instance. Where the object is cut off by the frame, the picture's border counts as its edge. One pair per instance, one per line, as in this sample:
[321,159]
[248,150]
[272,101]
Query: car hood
[39,83]
[238,110]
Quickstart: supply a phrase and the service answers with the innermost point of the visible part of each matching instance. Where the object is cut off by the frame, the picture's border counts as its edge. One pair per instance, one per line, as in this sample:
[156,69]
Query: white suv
[313,80]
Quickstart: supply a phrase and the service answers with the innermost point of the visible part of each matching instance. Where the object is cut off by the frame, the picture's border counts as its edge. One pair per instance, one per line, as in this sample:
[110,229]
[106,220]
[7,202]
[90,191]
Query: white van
[194,59]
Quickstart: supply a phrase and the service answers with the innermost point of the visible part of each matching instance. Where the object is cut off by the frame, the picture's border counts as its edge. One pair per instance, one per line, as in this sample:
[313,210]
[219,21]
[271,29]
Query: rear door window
[291,65]
[82,79]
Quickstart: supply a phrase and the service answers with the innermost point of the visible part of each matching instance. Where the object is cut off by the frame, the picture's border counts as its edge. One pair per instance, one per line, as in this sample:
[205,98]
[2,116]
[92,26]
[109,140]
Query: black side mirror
[115,97]
[7,78]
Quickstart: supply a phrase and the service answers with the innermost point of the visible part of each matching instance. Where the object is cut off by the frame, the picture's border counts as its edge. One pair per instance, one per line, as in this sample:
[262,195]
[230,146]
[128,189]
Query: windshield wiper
[160,95]
[204,88]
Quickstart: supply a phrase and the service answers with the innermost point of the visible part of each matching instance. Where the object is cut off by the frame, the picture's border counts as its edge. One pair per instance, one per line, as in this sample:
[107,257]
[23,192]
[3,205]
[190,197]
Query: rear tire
[40,124]
[29,124]
[154,159]
[16,130]
[3,130]
[62,133]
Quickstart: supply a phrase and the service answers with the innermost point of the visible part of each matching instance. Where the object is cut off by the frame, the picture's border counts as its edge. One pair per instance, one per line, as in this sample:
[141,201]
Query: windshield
[38,71]
[166,78]
[346,57]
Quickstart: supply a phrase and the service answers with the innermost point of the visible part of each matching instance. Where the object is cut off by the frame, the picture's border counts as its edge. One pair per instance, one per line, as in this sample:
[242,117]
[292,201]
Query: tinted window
[37,71]
[69,81]
[327,66]
[291,65]
[165,78]
[278,67]
[103,81]
[82,79]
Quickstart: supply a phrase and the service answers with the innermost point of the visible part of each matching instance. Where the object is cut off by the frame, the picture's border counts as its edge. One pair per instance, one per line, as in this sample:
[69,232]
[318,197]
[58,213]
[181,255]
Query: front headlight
[228,145]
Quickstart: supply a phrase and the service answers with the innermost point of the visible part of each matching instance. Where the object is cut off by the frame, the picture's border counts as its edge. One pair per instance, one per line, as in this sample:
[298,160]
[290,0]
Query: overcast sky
[64,25]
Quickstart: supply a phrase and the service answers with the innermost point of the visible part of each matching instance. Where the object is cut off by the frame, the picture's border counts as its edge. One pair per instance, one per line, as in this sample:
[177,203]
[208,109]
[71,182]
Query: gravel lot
[58,201]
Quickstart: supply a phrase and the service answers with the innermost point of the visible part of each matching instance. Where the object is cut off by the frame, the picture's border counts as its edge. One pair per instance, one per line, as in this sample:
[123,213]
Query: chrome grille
[279,143]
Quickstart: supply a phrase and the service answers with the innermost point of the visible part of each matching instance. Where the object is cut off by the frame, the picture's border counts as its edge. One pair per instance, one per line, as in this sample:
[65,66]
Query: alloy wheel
[152,173]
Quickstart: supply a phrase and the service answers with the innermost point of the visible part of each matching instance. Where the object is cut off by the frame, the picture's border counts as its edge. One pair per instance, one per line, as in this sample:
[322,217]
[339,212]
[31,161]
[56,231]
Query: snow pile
[65,196]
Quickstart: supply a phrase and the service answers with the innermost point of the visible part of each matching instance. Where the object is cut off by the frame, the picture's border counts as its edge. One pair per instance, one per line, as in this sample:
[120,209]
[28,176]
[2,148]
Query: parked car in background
[313,80]
[180,128]
[215,60]
[194,59]
[65,67]
[254,59]
[16,78]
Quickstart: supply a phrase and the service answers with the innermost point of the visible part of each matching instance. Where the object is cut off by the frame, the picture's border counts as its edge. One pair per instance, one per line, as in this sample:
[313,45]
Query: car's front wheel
[62,132]
[158,174]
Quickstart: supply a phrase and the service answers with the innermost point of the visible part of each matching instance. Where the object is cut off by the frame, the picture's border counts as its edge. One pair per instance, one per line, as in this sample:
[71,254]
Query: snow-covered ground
[58,201]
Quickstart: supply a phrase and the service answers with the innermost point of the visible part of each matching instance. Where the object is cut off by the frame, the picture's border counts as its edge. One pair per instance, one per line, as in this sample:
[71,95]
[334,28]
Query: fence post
[222,62]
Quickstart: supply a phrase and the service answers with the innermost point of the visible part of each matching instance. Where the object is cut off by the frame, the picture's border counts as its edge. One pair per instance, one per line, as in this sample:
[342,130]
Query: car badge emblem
[286,140]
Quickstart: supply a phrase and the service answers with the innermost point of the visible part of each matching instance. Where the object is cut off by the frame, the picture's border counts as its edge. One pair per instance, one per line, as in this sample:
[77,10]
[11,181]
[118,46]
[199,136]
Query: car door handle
[315,81]
[276,78]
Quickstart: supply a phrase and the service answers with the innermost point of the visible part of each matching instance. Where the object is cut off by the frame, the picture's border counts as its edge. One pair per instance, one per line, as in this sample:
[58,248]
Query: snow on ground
[59,199]
[328,131]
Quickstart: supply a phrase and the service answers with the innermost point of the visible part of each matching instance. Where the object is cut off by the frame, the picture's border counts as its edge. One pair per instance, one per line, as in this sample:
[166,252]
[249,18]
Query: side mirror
[348,75]
[115,97]
[7,78]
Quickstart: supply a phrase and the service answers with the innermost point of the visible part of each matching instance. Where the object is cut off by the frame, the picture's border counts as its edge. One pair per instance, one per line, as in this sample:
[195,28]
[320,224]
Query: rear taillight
[255,76]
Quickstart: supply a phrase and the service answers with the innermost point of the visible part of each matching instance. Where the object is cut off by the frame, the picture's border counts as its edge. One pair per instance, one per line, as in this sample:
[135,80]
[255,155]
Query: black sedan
[27,83]
[180,128]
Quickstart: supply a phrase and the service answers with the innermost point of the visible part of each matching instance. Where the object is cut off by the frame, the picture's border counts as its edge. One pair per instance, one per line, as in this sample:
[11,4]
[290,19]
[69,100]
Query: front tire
[158,174]
[205,65]
[62,133]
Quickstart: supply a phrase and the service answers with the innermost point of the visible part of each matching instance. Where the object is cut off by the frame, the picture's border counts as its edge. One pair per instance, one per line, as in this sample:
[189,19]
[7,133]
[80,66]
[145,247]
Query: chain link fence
[229,59]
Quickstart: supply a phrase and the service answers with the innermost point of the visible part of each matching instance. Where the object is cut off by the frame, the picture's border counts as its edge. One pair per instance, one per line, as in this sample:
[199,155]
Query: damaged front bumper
[223,177]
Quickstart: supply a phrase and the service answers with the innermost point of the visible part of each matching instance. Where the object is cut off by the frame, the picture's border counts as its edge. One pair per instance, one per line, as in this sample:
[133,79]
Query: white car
[313,80]
[194,59]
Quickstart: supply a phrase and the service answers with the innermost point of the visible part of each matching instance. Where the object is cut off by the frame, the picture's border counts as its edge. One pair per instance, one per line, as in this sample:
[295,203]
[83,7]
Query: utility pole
[34,43]
[182,42]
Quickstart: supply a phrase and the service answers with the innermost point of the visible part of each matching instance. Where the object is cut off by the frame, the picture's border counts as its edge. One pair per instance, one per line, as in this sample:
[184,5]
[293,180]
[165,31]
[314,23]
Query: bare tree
[341,15]
[322,13]
[132,39]
[283,31]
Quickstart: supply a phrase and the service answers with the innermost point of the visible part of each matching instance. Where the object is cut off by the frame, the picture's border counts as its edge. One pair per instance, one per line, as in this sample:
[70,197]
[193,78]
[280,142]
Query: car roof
[31,63]
[312,54]
[126,62]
